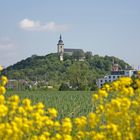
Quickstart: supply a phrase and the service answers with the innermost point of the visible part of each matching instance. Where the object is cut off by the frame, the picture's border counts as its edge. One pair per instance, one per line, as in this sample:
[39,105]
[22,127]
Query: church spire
[60,37]
[60,48]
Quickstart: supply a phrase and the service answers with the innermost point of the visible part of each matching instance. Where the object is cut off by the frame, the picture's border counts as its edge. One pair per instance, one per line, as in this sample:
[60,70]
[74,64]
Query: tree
[80,75]
[78,54]
[88,55]
[77,75]
[64,87]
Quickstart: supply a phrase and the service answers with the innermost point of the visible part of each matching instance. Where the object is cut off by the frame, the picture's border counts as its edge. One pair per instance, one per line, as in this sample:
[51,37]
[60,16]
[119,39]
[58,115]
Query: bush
[64,87]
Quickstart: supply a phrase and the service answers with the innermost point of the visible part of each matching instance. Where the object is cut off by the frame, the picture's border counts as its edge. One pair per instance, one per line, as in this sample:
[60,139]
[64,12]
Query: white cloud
[31,25]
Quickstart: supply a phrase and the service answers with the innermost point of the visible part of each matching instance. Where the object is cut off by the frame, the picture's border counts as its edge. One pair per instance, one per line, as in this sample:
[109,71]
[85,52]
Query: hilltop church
[61,50]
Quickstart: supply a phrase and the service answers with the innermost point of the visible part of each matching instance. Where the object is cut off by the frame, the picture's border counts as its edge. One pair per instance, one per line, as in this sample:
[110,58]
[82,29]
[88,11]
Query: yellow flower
[3,110]
[26,103]
[92,119]
[57,125]
[138,82]
[39,106]
[58,137]
[99,136]
[66,125]
[112,128]
[95,97]
[52,112]
[102,93]
[67,137]
[100,109]
[1,68]
[115,104]
[34,138]
[80,135]
[4,80]
[125,103]
[46,134]
[2,90]
[14,98]
[42,137]
[106,87]
[2,99]
[138,72]
[135,104]
[130,136]
[80,122]
[9,131]
[115,85]
[49,123]
[130,91]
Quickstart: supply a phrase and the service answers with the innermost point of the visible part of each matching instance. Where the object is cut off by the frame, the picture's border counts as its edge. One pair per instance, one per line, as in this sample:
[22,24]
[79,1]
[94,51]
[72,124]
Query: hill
[49,70]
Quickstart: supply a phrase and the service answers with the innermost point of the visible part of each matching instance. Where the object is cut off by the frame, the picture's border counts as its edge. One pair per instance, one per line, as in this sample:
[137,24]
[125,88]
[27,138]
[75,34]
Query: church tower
[60,48]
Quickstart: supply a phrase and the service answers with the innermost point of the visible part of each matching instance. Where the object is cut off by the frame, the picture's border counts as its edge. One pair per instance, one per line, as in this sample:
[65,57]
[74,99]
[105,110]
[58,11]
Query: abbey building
[61,50]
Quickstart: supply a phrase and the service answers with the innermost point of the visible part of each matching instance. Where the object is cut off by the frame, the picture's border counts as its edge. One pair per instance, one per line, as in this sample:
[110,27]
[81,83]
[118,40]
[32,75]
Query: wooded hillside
[78,75]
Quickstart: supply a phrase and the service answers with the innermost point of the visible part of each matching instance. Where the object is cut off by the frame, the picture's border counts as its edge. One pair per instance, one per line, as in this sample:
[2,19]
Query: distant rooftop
[72,50]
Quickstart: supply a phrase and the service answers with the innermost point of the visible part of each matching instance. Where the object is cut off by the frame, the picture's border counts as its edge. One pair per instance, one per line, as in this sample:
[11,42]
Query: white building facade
[115,75]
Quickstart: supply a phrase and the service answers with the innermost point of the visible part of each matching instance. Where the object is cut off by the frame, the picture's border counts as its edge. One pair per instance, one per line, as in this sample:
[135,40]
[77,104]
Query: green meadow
[68,103]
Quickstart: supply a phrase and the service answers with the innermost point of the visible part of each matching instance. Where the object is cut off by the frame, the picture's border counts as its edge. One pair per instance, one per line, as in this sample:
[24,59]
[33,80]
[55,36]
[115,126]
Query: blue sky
[105,27]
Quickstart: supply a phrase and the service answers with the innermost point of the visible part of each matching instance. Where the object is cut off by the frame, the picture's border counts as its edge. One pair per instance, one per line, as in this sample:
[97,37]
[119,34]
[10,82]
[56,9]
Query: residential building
[115,74]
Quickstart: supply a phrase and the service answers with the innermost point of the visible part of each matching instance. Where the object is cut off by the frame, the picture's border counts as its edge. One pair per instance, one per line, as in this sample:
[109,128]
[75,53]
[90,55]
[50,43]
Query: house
[115,74]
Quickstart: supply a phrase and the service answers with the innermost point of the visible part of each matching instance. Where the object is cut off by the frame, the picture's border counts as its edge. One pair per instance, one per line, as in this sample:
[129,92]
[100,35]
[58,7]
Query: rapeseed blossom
[52,112]
[116,116]
[1,68]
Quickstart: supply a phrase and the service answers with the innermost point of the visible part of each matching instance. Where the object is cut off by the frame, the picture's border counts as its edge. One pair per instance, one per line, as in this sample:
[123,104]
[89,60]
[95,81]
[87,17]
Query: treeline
[70,74]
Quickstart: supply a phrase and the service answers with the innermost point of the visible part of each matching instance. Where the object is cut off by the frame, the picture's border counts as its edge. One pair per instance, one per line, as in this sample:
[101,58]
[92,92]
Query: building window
[109,77]
[101,81]
[113,77]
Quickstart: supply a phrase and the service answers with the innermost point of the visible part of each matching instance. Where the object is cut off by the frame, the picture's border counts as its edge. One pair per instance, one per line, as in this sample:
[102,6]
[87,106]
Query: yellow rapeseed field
[116,116]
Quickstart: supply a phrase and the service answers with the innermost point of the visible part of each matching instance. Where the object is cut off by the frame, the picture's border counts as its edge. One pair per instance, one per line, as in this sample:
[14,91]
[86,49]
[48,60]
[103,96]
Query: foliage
[78,54]
[88,55]
[64,87]
[80,75]
[77,75]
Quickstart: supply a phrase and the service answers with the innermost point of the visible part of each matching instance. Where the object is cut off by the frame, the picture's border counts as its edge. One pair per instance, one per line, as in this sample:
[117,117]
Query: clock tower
[60,48]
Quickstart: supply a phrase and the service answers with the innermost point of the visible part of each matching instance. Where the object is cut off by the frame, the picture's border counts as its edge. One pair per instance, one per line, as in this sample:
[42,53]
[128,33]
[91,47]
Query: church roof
[60,40]
[72,50]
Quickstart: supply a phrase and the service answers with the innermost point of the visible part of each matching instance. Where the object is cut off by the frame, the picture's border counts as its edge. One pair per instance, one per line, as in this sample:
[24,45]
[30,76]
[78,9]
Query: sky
[105,27]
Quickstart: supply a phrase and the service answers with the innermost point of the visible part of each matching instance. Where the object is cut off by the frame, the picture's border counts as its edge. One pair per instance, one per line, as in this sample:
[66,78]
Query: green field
[68,103]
